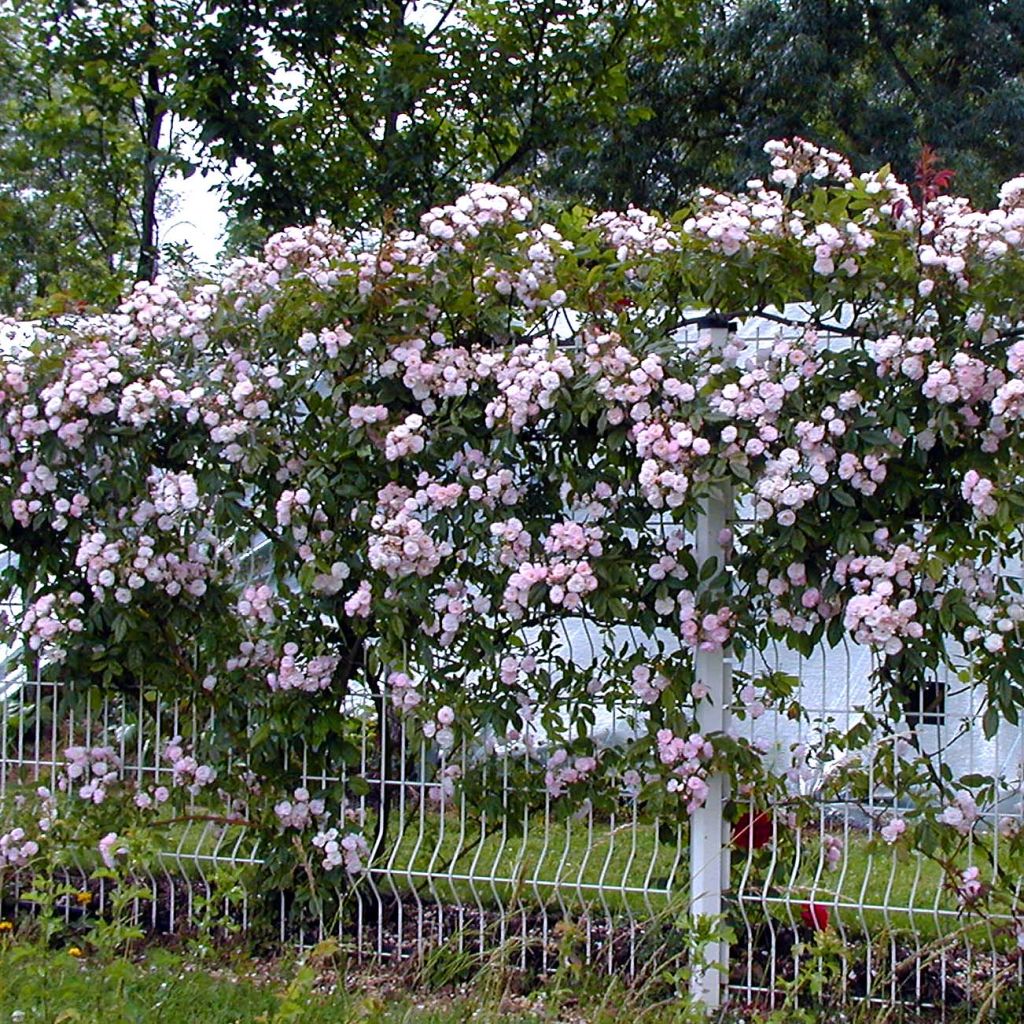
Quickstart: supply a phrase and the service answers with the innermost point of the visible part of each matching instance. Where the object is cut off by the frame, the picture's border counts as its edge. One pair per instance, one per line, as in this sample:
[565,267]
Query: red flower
[753,830]
[815,916]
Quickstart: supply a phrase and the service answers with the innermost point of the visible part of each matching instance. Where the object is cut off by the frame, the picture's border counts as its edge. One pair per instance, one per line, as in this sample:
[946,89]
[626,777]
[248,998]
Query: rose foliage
[445,445]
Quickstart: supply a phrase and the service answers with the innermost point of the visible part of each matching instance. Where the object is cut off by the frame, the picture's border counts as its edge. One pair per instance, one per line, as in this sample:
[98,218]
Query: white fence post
[709,837]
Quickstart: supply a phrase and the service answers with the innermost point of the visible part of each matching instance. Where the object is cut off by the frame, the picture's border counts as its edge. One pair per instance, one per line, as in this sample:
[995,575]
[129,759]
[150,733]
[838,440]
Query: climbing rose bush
[346,479]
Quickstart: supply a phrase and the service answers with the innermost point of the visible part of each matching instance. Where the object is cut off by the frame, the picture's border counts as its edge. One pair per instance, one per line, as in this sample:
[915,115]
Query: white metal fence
[514,875]
[518,876]
[503,870]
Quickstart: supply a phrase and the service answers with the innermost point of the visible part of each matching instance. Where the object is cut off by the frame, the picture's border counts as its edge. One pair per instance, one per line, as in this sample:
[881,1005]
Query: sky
[198,220]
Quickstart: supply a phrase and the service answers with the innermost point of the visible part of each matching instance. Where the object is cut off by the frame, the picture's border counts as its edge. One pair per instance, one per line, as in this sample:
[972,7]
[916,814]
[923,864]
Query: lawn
[54,987]
[630,868]
[180,986]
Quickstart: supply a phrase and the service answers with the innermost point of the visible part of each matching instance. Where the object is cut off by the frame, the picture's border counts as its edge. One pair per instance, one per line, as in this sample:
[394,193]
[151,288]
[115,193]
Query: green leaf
[990,722]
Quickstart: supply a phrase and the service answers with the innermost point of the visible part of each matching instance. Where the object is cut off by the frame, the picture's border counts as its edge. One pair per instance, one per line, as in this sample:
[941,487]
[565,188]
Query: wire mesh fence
[468,852]
[442,868]
[501,866]
[902,929]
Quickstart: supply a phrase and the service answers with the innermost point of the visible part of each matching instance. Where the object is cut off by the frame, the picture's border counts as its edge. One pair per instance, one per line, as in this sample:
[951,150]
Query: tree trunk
[152,123]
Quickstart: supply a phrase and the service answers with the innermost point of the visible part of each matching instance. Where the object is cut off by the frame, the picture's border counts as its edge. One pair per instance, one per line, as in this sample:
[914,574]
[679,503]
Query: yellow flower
[6,926]
[83,897]
[75,951]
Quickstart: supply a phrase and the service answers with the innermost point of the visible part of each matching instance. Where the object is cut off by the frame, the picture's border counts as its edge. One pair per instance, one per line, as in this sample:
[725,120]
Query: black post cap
[713,320]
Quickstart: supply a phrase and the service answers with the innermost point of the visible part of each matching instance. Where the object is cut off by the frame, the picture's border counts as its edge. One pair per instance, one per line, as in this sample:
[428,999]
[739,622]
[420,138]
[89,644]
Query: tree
[128,58]
[351,110]
[369,110]
[69,179]
[89,138]
[876,79]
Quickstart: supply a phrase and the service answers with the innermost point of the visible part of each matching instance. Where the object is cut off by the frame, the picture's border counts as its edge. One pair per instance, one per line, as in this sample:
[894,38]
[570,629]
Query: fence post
[709,838]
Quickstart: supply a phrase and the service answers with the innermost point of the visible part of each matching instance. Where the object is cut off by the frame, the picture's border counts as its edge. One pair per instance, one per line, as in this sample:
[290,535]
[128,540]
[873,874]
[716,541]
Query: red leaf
[930,179]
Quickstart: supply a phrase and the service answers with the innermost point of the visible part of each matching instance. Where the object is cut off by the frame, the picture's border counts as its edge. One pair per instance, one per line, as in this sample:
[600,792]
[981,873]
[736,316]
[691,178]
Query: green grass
[616,869]
[567,865]
[625,869]
[161,986]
